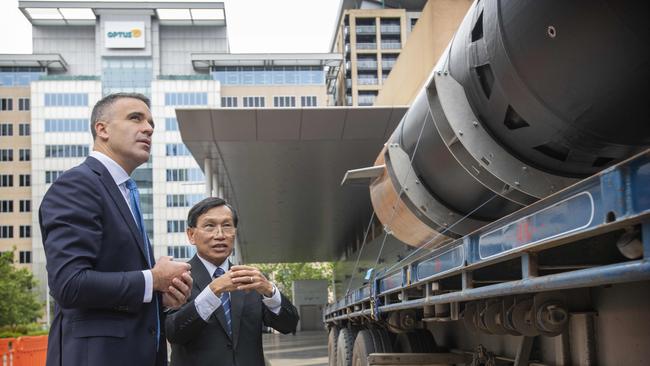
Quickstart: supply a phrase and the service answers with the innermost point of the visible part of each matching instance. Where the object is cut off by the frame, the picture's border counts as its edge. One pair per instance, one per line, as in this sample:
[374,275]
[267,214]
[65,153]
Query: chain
[482,357]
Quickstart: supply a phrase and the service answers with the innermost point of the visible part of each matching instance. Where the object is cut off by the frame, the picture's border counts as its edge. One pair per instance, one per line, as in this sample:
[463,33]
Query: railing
[391,29]
[366,46]
[367,65]
[391,45]
[387,64]
[23,351]
[366,29]
[367,99]
[367,81]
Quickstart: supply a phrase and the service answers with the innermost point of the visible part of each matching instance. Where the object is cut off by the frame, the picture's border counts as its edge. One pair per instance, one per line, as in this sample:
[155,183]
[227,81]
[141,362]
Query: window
[171,124]
[186,98]
[25,231]
[24,129]
[67,125]
[183,200]
[52,175]
[228,102]
[6,180]
[185,175]
[308,101]
[177,150]
[175,226]
[24,154]
[6,206]
[66,151]
[23,104]
[6,155]
[6,104]
[25,180]
[6,232]
[25,256]
[253,101]
[25,205]
[284,101]
[6,129]
[66,99]
[181,251]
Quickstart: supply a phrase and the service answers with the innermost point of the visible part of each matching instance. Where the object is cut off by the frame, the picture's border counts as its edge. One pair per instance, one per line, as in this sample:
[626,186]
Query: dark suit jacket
[197,342]
[95,254]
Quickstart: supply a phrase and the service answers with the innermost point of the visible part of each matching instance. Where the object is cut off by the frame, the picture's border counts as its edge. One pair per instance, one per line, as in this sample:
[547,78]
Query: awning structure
[282,169]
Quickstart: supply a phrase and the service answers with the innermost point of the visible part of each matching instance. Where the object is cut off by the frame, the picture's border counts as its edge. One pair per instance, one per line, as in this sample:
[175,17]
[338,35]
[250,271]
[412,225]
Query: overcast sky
[253,26]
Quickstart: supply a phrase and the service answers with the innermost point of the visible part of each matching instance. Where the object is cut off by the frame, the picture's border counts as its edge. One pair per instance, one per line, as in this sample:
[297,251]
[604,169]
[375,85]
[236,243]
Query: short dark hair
[102,106]
[204,206]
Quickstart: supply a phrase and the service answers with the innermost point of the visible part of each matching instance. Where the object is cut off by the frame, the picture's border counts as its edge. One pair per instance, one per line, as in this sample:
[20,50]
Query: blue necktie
[225,300]
[134,199]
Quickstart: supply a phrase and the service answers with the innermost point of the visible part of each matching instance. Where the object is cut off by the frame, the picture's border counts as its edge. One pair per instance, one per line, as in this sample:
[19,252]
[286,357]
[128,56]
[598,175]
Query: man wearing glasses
[221,324]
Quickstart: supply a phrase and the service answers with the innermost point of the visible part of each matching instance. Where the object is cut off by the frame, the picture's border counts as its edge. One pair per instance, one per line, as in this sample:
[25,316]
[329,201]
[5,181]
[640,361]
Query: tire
[417,341]
[344,344]
[369,341]
[331,345]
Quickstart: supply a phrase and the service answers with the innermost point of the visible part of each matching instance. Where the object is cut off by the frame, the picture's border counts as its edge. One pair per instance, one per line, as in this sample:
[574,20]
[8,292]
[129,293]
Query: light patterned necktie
[225,300]
[134,200]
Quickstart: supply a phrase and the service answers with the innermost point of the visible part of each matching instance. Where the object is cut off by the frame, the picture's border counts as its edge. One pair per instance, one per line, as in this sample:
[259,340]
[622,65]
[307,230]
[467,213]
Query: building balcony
[365,100]
[367,81]
[348,100]
[366,29]
[387,64]
[367,65]
[367,46]
[390,29]
[391,45]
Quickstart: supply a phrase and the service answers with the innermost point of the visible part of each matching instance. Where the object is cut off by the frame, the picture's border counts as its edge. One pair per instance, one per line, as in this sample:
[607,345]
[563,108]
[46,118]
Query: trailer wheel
[344,344]
[369,341]
[417,341]
[331,345]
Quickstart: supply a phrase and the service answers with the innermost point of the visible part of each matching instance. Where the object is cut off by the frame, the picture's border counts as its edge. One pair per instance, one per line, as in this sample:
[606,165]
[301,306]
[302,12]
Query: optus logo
[134,33]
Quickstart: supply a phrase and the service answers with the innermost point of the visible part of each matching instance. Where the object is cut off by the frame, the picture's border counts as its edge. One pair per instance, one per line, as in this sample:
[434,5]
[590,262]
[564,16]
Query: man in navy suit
[110,294]
[221,324]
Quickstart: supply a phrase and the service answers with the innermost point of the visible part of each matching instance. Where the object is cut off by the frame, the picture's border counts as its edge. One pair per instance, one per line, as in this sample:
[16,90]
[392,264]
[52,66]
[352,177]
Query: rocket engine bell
[528,97]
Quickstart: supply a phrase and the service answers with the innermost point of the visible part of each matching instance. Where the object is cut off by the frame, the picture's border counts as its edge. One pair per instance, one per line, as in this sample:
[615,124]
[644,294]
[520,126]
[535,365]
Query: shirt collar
[116,171]
[211,267]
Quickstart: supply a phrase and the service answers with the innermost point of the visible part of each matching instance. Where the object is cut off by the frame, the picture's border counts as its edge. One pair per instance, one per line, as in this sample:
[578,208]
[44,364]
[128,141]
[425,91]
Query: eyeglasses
[226,229]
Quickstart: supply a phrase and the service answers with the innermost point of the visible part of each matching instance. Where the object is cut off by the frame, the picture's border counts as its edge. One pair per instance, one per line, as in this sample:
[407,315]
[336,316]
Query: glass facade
[67,125]
[20,76]
[177,150]
[66,99]
[171,124]
[127,74]
[186,98]
[276,75]
[66,151]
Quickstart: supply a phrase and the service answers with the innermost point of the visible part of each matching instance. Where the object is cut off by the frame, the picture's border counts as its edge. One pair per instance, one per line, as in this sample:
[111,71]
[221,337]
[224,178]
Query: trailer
[553,269]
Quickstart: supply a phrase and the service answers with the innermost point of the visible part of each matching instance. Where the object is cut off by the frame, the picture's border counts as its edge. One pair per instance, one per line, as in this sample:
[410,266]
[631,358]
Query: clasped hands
[245,278]
[173,280]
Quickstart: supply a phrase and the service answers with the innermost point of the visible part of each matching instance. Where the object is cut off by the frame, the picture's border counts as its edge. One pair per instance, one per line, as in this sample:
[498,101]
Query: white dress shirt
[207,302]
[120,177]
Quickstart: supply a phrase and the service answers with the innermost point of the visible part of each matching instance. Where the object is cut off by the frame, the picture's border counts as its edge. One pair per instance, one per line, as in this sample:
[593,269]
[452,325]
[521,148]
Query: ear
[190,231]
[101,129]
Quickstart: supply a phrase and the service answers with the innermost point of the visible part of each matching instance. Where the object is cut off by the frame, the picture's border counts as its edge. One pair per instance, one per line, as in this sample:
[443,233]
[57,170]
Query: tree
[283,274]
[18,300]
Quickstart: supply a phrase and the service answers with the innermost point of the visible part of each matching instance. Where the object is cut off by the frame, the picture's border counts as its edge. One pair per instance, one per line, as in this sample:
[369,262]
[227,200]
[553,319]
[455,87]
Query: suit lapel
[117,197]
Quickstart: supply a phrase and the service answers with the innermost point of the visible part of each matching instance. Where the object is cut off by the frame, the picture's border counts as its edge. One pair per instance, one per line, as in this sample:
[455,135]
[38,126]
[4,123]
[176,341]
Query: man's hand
[165,271]
[250,278]
[222,284]
[179,292]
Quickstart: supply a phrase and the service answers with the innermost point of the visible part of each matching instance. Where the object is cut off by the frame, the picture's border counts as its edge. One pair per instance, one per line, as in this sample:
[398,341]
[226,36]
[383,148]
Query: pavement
[307,348]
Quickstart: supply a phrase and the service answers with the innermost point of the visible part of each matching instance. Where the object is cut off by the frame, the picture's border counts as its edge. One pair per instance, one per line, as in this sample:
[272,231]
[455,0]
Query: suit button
[229,345]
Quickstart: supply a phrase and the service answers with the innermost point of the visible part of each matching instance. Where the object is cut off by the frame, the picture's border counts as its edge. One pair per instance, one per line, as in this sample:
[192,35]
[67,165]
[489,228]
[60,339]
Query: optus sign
[124,35]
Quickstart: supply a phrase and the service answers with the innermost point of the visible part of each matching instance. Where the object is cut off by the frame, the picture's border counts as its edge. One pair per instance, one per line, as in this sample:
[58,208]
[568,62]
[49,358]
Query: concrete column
[207,172]
[215,185]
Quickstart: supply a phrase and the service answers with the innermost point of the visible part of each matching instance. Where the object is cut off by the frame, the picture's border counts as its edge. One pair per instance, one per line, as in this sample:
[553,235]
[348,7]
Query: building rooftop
[85,12]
